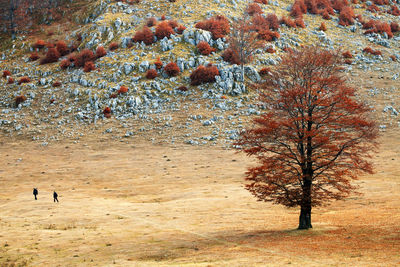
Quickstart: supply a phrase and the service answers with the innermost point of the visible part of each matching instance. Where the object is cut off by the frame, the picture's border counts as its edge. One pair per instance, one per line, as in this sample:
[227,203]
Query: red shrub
[300,22]
[347,54]
[371,51]
[151,74]
[346,16]
[151,22]
[52,56]
[218,26]
[204,75]
[264,71]
[253,9]
[273,22]
[24,79]
[270,50]
[375,26]
[339,5]
[65,63]
[261,1]
[6,73]
[373,8]
[180,29]
[393,58]
[158,63]
[395,11]
[57,84]
[19,99]
[348,61]
[164,30]
[230,55]
[72,57]
[89,66]
[322,27]
[62,48]
[204,48]
[172,69]
[268,35]
[173,24]
[163,17]
[288,22]
[369,24]
[10,80]
[325,15]
[113,95]
[50,45]
[298,9]
[122,90]
[39,44]
[113,46]
[144,35]
[107,112]
[34,56]
[394,27]
[182,88]
[100,52]
[84,56]
[380,2]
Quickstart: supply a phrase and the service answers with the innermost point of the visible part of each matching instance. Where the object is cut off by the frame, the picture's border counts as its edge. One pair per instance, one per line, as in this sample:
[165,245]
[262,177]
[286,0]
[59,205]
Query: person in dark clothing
[55,195]
[35,192]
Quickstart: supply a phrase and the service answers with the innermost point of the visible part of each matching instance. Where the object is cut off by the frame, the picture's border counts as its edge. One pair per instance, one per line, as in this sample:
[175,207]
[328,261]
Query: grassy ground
[153,205]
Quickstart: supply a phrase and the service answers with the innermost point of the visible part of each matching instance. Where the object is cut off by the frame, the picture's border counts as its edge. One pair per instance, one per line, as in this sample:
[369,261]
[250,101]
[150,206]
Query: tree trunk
[305,213]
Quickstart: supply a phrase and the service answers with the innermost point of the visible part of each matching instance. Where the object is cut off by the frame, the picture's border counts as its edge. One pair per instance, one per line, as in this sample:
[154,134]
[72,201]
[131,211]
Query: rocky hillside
[117,97]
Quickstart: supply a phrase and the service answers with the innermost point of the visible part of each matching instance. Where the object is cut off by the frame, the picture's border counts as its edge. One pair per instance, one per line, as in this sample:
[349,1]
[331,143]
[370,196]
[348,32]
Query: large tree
[315,136]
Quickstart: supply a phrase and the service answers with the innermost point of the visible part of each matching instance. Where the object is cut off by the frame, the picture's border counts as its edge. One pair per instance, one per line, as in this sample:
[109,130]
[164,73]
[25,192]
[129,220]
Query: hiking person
[55,195]
[35,192]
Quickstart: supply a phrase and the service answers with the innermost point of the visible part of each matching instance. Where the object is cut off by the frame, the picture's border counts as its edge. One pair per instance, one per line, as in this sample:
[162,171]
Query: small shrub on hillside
[50,45]
[253,9]
[173,24]
[6,73]
[65,63]
[288,22]
[151,22]
[394,27]
[393,58]
[268,35]
[56,84]
[62,48]
[10,80]
[204,75]
[163,17]
[151,74]
[52,56]
[348,61]
[218,26]
[326,15]
[346,16]
[34,56]
[19,99]
[204,48]
[89,66]
[298,9]
[322,27]
[113,95]
[273,22]
[264,71]
[230,55]
[163,30]
[24,79]
[394,10]
[172,69]
[86,55]
[113,46]
[122,90]
[300,22]
[182,88]
[39,44]
[144,35]
[380,2]
[100,52]
[107,112]
[270,50]
[371,51]
[180,29]
[158,63]
[347,54]
[373,8]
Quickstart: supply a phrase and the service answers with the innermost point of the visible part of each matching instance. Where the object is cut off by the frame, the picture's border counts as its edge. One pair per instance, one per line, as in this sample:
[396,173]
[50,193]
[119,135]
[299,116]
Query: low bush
[62,48]
[172,69]
[34,56]
[218,26]
[371,51]
[298,9]
[6,73]
[347,54]
[100,52]
[65,63]
[346,16]
[288,22]
[393,58]
[322,27]
[273,21]
[394,10]
[56,84]
[394,27]
[231,55]
[204,48]
[268,35]
[151,22]
[151,74]
[39,44]
[107,112]
[173,24]
[204,75]
[253,9]
[113,95]
[182,88]
[373,8]
[113,46]
[300,22]
[10,80]
[144,35]
[19,99]
[158,63]
[89,66]
[24,79]
[270,50]
[164,30]
[180,29]
[264,71]
[348,61]
[52,56]
[86,55]
[122,90]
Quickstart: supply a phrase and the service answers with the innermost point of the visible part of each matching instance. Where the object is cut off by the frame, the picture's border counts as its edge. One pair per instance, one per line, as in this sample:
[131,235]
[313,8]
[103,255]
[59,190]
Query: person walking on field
[35,192]
[55,195]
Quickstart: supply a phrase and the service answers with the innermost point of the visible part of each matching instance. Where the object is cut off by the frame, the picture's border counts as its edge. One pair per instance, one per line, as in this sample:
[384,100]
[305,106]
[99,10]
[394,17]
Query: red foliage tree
[315,137]
[204,75]
[264,71]
[182,88]
[288,22]
[218,26]
[100,52]
[371,51]
[173,24]
[56,84]
[264,2]
[394,27]
[204,48]
[52,56]
[164,29]
[172,69]
[144,35]
[151,74]
[347,54]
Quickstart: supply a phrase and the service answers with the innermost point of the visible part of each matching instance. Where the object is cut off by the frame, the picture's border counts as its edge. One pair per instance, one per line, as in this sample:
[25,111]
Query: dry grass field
[156,205]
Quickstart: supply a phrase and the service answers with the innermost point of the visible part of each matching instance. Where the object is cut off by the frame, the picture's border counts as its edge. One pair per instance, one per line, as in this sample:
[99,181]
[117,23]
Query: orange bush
[273,22]
[322,27]
[172,69]
[34,56]
[204,48]
[65,63]
[162,17]
[325,15]
[182,88]
[375,26]
[230,55]
[264,71]
[19,99]
[253,9]
[393,58]
[10,80]
[180,29]
[268,35]
[84,56]
[144,35]
[39,44]
[270,50]
[151,22]
[380,2]
[89,66]
[298,9]
[62,48]
[173,24]
[346,16]
[371,51]
[52,56]
[348,61]
[151,74]
[203,75]
[6,73]
[288,22]
[113,46]
[394,10]
[347,54]
[373,8]
[24,79]
[158,63]
[107,112]
[164,30]
[218,26]
[113,95]
[57,84]
[394,27]
[122,90]
[100,52]
[300,22]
